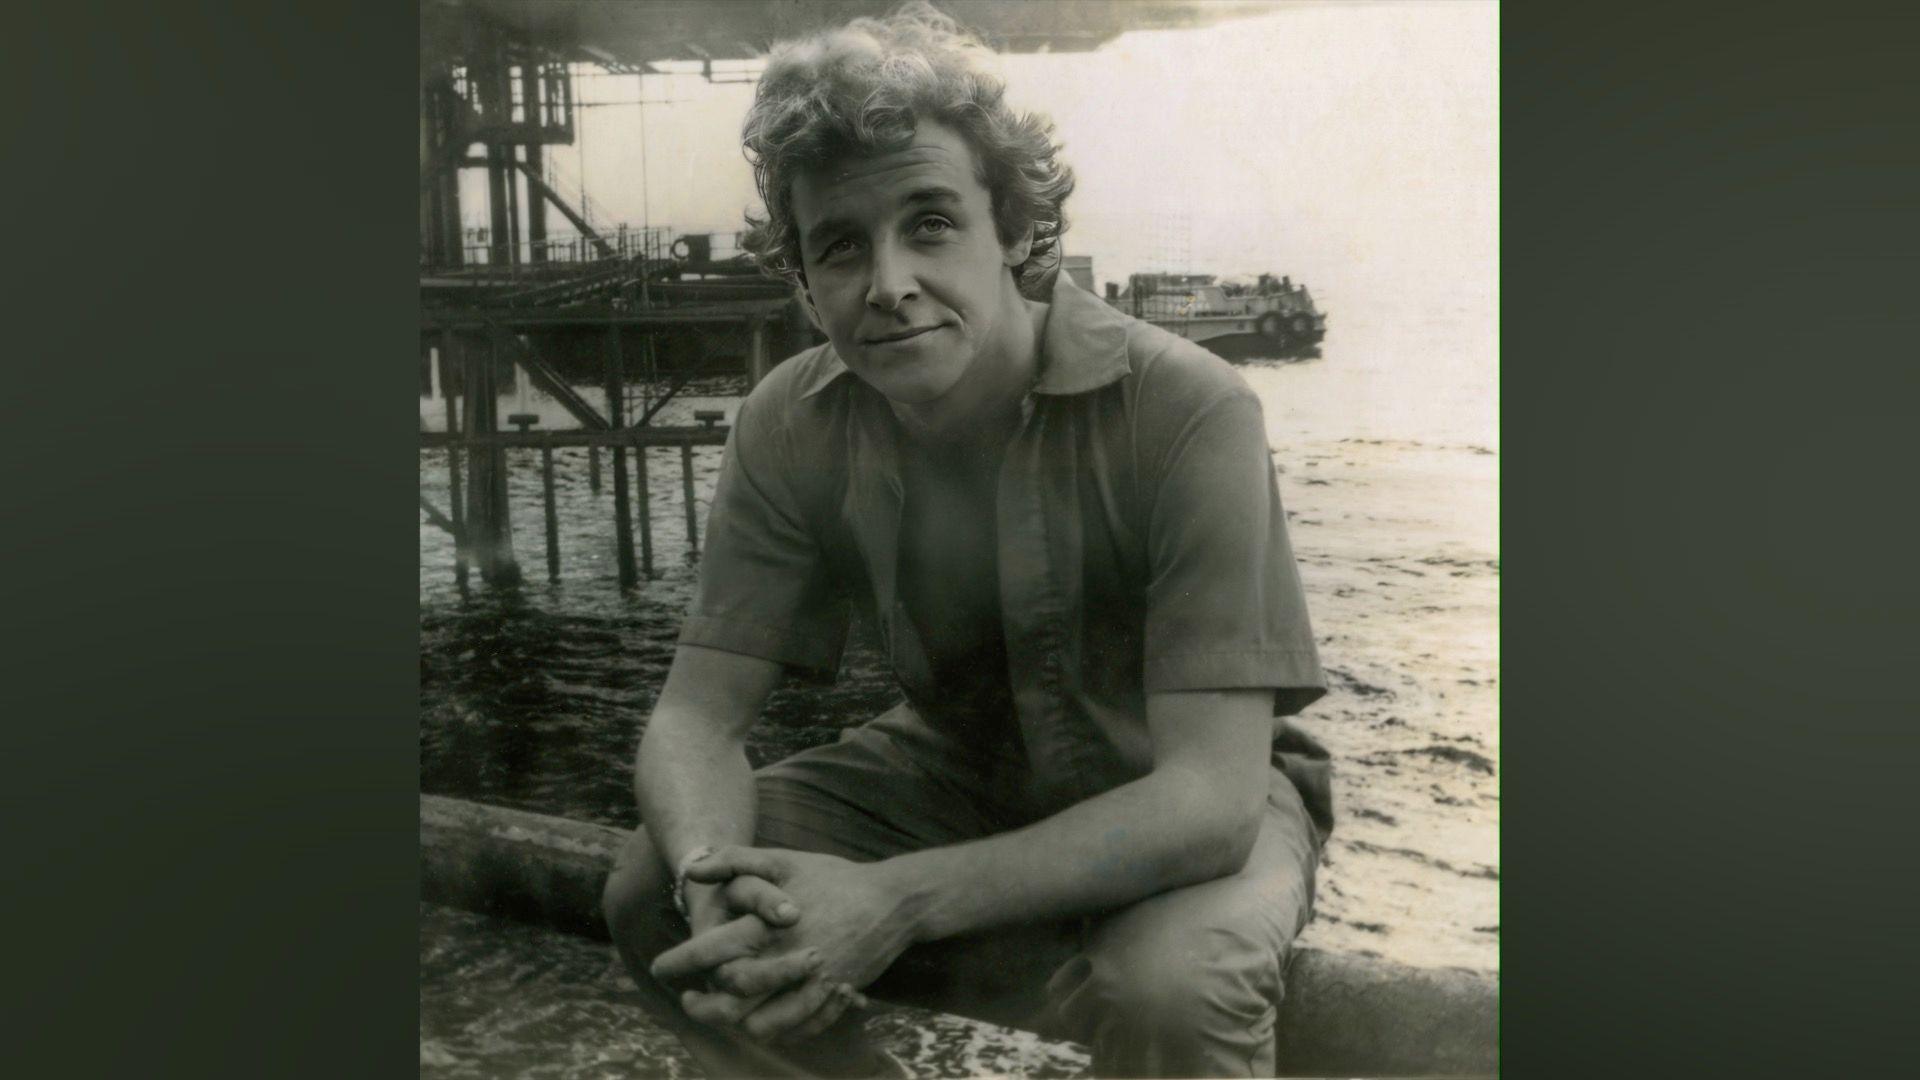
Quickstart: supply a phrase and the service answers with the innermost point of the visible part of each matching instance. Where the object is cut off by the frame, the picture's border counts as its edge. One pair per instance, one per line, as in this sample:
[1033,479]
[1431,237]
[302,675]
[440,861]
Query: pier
[469,352]
[555,292]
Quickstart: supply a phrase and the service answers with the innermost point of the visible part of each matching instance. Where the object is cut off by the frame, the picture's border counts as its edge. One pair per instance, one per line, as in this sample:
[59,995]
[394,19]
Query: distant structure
[1274,315]
[497,75]
[606,304]
[1079,270]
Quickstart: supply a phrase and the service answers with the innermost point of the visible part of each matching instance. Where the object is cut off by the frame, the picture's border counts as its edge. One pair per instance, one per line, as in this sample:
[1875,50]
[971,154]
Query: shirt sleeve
[766,588]
[1225,609]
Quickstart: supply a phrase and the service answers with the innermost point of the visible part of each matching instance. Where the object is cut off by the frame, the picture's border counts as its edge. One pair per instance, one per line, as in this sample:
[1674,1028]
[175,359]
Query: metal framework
[496,87]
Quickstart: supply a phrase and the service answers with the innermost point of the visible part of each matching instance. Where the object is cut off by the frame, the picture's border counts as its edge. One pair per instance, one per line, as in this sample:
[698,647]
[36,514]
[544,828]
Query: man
[1065,527]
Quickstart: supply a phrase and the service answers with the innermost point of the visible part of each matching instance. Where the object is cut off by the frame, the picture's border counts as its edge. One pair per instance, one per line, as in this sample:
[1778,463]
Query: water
[535,697]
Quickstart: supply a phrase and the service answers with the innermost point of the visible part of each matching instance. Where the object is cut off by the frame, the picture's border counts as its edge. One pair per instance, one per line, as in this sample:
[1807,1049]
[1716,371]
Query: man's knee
[1183,979]
[1161,997]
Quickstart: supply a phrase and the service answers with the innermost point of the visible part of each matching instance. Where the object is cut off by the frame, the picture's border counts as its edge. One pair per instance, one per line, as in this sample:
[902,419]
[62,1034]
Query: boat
[1272,316]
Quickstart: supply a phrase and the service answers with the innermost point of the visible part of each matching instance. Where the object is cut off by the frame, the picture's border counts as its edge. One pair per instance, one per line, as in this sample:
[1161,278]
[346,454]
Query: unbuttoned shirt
[1140,547]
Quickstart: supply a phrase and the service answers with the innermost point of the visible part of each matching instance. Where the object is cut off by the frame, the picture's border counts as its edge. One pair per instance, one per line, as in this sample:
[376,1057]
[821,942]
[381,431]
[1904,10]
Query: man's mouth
[902,335]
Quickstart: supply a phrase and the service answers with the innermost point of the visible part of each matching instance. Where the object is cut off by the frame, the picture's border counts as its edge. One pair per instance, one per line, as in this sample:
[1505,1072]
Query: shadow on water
[535,697]
[1255,348]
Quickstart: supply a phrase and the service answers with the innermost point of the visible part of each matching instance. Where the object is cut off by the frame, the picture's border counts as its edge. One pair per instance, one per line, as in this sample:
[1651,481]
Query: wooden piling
[455,494]
[553,517]
[480,445]
[506,566]
[646,512]
[474,383]
[593,469]
[489,531]
[757,354]
[622,508]
[686,487]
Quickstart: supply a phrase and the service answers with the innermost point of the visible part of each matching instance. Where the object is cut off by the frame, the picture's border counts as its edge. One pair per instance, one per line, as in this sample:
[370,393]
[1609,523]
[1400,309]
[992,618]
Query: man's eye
[836,248]
[933,226]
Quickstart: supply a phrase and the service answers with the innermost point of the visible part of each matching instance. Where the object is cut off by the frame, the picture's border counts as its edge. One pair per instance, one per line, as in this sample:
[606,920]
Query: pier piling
[646,513]
[553,518]
[455,496]
[616,417]
[488,527]
[480,346]
[757,354]
[686,487]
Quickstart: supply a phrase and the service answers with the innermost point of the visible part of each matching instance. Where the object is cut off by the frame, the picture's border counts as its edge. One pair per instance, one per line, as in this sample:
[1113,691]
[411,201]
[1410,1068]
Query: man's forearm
[692,779]
[1160,832]
[694,786]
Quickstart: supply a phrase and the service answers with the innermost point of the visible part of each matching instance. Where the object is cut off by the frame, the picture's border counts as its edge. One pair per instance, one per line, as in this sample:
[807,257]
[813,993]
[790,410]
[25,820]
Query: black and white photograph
[958,538]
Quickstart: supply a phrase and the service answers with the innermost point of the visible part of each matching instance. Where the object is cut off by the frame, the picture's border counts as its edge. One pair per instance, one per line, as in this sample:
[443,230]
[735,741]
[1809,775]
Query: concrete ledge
[1343,1015]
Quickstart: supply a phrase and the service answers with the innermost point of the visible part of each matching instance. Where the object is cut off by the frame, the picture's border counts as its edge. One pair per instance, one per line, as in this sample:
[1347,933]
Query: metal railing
[629,243]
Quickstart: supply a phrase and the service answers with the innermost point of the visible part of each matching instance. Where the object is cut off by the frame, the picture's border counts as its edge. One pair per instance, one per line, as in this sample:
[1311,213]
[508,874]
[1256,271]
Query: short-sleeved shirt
[1141,546]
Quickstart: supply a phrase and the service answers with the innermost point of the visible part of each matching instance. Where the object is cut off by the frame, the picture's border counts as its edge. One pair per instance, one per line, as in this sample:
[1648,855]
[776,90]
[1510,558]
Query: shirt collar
[1082,348]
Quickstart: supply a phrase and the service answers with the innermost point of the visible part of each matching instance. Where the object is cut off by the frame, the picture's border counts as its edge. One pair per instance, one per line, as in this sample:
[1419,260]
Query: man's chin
[909,391]
[908,387]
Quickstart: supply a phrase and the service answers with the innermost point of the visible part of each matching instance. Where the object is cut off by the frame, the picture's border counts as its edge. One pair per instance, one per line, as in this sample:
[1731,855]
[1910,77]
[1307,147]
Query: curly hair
[859,90]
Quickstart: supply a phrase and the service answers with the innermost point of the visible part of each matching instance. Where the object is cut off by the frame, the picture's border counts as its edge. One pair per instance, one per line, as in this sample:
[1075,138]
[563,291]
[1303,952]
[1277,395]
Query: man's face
[904,270]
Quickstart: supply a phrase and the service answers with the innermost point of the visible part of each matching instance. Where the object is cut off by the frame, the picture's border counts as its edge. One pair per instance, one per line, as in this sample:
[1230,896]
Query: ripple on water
[535,697]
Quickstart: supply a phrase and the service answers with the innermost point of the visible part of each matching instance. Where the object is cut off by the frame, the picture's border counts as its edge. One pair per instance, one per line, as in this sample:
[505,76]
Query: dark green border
[1709,235]
[210,586]
[1708,380]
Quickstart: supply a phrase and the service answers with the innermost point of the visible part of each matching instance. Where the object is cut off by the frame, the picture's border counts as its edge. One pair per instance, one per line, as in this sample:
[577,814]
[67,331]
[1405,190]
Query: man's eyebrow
[930,194]
[820,230]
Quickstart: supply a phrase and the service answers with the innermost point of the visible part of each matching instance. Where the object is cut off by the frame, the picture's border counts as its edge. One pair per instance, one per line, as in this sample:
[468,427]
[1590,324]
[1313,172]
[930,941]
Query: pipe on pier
[1343,1015]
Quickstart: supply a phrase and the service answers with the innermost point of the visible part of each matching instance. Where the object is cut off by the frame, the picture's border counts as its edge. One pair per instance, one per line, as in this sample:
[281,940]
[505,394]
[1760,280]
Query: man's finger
[758,976]
[749,892]
[731,862]
[788,1010]
[829,1012]
[703,952]
[715,1009]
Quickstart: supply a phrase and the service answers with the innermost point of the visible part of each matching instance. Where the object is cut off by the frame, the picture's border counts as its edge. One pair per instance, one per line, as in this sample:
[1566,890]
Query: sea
[534,697]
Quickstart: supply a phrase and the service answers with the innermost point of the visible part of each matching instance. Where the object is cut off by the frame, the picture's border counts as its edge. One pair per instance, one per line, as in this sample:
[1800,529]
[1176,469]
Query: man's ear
[1016,253]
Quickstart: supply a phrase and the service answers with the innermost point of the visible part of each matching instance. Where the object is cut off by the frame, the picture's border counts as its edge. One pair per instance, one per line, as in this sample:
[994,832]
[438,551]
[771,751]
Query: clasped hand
[785,940]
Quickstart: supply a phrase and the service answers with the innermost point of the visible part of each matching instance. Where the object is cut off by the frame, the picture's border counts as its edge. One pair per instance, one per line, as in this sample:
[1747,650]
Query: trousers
[1184,983]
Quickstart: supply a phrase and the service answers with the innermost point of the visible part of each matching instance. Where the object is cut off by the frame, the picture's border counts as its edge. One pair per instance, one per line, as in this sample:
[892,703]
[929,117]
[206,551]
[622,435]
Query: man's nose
[892,283]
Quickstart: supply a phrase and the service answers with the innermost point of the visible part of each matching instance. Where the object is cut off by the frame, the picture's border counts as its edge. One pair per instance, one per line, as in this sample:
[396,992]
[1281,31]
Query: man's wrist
[911,912]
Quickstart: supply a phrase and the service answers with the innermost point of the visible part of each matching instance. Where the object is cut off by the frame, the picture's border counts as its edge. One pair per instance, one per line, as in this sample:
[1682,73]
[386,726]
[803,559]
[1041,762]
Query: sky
[1352,147]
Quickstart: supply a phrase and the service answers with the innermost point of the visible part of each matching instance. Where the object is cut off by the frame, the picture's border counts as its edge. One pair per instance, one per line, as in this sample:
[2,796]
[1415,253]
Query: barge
[1272,317]
[1201,309]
